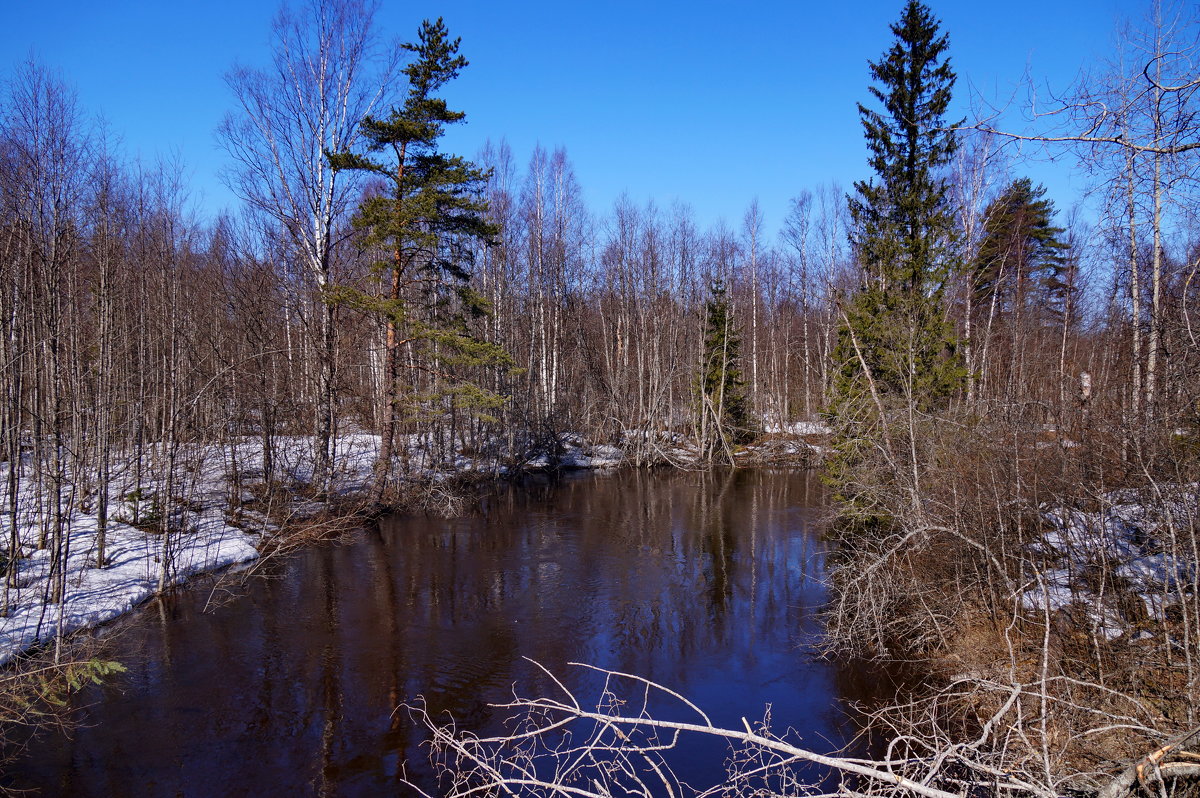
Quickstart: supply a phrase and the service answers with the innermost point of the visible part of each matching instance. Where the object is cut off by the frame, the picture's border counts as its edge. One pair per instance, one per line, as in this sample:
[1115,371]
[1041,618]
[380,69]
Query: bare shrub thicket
[1036,543]
[1059,609]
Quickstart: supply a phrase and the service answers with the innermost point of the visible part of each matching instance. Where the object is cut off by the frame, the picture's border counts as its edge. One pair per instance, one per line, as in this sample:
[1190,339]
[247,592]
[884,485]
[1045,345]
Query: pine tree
[721,387]
[426,221]
[1022,261]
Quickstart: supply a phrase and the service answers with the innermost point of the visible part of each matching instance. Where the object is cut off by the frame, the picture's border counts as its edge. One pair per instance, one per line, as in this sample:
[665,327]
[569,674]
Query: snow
[601,456]
[799,428]
[1053,592]
[95,596]
[1130,536]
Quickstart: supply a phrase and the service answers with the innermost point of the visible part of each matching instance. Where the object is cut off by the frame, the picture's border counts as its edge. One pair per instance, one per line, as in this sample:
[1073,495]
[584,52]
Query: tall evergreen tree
[894,335]
[724,404]
[1022,261]
[426,222]
[896,354]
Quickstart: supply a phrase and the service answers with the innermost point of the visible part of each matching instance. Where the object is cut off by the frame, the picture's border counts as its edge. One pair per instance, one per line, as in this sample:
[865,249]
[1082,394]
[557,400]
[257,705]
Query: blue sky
[706,102]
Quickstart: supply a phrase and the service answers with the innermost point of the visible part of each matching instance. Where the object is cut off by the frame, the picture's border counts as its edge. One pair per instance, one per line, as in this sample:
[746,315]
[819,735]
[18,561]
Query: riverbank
[148,547]
[221,518]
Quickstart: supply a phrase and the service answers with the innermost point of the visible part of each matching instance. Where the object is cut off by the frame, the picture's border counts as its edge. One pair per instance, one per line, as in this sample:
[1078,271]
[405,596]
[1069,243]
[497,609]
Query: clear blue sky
[700,101]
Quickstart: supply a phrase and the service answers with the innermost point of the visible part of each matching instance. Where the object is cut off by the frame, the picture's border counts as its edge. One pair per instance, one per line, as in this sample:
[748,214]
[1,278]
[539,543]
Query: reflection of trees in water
[717,539]
[678,576]
[647,566]
[331,680]
[754,538]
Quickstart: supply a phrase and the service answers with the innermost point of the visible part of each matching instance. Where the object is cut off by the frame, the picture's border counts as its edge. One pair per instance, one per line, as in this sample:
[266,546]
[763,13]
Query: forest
[1002,394]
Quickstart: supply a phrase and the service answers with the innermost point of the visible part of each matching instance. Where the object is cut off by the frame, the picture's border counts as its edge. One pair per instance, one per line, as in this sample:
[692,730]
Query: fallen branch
[613,746]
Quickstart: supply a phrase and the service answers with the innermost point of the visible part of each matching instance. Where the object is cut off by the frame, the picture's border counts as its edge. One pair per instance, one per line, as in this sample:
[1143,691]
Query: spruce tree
[425,223]
[721,387]
[896,353]
[894,333]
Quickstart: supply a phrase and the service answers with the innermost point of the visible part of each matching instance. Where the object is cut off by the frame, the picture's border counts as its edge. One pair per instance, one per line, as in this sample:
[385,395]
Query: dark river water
[706,583]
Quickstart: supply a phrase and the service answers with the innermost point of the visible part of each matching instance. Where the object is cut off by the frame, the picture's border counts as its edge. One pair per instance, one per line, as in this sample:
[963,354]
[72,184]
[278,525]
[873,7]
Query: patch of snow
[799,428]
[603,456]
[1128,537]
[205,534]
[1155,570]
[1053,593]
[98,595]
[1107,622]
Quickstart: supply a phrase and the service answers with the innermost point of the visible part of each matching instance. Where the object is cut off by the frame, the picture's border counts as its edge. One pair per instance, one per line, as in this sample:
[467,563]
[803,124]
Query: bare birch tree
[327,74]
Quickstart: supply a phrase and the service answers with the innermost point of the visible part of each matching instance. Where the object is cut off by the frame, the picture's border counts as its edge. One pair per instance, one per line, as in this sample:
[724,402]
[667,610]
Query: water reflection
[704,582]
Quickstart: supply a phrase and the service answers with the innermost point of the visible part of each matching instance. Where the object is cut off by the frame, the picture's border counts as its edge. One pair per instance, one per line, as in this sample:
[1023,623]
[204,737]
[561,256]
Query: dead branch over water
[616,742]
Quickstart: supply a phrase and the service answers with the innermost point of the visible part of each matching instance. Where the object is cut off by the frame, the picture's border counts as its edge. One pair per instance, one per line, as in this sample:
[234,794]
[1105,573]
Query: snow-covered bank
[1145,539]
[800,428]
[207,532]
[577,454]
[780,451]
[98,595]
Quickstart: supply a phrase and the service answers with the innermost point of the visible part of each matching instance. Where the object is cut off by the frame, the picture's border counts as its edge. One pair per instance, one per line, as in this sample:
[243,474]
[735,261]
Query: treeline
[129,321]
[606,314]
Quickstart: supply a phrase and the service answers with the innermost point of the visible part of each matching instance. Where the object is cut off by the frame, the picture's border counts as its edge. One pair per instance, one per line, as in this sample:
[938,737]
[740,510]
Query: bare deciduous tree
[327,74]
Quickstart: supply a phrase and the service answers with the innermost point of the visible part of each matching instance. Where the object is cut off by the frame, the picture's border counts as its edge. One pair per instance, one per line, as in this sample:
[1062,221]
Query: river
[705,582]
